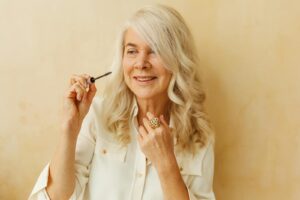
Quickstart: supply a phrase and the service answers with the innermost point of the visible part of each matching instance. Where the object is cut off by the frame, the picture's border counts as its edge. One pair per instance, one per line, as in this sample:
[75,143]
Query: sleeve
[83,156]
[201,187]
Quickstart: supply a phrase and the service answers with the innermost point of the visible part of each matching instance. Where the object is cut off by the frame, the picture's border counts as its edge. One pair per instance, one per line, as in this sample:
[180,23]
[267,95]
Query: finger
[91,92]
[84,97]
[147,125]
[142,132]
[87,79]
[79,91]
[165,124]
[86,76]
[150,115]
[82,79]
[71,93]
[140,139]
[162,119]
[82,86]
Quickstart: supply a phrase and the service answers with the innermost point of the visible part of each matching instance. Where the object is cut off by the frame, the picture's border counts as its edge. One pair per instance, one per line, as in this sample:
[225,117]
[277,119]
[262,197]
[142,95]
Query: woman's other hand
[157,143]
[77,100]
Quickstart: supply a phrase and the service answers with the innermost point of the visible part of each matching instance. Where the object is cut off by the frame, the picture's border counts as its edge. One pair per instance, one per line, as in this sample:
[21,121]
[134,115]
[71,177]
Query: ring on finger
[154,122]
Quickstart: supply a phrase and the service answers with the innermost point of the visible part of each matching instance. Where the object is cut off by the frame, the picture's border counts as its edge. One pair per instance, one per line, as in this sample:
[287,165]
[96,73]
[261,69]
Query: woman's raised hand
[77,101]
[157,143]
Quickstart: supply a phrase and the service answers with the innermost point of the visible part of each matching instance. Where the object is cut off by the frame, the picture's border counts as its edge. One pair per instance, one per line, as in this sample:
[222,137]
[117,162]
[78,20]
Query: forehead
[133,38]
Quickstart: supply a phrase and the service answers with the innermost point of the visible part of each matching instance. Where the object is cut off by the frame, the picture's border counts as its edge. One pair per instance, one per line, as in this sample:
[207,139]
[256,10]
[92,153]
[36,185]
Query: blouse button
[139,174]
[180,168]
[104,151]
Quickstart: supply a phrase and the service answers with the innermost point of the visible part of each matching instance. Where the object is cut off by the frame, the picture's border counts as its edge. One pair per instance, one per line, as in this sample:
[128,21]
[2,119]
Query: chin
[144,96]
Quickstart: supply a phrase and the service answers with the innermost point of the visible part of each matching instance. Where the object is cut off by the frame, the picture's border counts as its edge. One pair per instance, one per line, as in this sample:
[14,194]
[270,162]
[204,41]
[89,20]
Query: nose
[142,61]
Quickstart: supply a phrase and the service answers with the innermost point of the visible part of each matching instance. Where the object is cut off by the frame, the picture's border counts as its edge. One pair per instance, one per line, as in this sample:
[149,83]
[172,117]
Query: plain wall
[249,54]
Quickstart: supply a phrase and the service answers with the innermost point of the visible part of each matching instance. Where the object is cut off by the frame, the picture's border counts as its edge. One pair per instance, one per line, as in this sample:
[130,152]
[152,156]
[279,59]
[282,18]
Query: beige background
[249,52]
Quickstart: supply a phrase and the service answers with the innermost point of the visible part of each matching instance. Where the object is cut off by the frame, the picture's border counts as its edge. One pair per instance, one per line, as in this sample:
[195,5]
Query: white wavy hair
[165,31]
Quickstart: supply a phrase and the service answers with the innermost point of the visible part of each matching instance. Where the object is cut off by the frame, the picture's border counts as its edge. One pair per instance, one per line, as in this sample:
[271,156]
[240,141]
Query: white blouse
[107,171]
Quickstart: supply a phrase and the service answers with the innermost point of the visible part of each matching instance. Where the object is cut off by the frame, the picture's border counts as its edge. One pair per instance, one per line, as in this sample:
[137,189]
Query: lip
[144,80]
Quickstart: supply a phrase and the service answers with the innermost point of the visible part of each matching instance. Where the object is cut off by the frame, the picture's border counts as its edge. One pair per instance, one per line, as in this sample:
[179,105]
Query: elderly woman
[147,137]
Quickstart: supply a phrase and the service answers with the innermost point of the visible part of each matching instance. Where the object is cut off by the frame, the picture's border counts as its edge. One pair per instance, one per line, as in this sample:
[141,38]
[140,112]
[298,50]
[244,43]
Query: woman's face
[143,69]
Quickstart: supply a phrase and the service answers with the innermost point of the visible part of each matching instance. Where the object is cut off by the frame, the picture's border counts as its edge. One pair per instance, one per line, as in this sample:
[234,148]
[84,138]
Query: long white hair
[164,29]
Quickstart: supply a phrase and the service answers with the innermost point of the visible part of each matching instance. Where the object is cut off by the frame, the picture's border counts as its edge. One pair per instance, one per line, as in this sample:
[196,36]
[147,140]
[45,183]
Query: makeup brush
[92,79]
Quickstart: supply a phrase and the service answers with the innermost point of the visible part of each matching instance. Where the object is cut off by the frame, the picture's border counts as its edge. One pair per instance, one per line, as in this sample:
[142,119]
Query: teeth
[145,78]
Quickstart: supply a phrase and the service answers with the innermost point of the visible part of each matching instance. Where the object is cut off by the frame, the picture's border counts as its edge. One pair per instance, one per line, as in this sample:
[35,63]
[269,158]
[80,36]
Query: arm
[201,172]
[170,179]
[61,180]
[84,152]
[157,145]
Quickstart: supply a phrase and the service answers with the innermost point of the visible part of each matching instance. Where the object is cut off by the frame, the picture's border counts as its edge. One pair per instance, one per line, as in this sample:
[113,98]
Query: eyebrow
[131,44]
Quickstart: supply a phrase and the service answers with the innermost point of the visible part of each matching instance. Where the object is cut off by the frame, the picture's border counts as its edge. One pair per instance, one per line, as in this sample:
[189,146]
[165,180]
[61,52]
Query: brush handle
[92,79]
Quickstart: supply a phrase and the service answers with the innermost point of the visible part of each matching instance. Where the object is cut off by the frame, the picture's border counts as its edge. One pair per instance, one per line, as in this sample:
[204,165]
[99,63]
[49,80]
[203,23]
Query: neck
[156,106]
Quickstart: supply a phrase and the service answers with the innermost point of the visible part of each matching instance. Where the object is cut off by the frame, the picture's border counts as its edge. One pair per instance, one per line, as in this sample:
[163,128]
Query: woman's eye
[131,51]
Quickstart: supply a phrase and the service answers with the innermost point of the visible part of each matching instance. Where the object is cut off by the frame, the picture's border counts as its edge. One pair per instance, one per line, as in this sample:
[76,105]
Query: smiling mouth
[144,78]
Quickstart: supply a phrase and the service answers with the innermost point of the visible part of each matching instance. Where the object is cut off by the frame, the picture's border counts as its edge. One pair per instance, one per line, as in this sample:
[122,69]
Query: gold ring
[154,122]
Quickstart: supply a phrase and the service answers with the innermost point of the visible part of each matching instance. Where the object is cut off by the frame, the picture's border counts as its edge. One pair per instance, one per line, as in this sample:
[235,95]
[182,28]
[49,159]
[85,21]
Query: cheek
[167,80]
[127,67]
[167,76]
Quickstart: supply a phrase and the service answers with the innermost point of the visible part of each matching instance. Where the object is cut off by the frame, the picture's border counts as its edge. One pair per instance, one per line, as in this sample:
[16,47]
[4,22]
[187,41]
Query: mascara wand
[92,79]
